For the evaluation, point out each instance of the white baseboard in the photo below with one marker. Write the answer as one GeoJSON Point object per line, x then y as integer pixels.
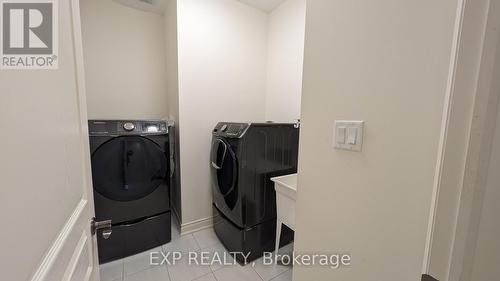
{"type": "Point", "coordinates": [197, 225]}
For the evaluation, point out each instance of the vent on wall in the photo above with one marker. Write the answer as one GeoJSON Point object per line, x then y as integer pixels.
{"type": "Point", "coordinates": [153, 6]}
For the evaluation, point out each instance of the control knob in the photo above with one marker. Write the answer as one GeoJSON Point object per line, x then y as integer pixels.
{"type": "Point", "coordinates": [129, 126]}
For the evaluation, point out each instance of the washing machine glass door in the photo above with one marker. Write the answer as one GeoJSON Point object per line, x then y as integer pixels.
{"type": "Point", "coordinates": [224, 170]}
{"type": "Point", "coordinates": [128, 168]}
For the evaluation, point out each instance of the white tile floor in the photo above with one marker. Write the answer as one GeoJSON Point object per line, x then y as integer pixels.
{"type": "Point", "coordinates": [138, 267]}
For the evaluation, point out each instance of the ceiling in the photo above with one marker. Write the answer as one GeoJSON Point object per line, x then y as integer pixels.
{"type": "Point", "coordinates": [264, 5]}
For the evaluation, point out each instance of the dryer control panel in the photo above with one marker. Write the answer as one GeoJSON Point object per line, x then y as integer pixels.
{"type": "Point", "coordinates": [230, 130]}
{"type": "Point", "coordinates": [127, 127]}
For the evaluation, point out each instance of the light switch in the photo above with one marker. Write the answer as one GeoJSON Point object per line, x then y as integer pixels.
{"type": "Point", "coordinates": [348, 135]}
{"type": "Point", "coordinates": [352, 135]}
{"type": "Point", "coordinates": [340, 138]}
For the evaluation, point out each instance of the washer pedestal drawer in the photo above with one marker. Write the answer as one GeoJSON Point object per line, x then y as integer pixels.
{"type": "Point", "coordinates": [133, 238]}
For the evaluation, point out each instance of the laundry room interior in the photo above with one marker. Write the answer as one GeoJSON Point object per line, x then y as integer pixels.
{"type": "Point", "coordinates": [195, 64]}
{"type": "Point", "coordinates": [249, 140]}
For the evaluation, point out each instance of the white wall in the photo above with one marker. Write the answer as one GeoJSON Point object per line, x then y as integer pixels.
{"type": "Point", "coordinates": [285, 55]}
{"type": "Point", "coordinates": [386, 63]}
{"type": "Point", "coordinates": [222, 50]}
{"type": "Point", "coordinates": [124, 51]}
{"type": "Point", "coordinates": [172, 80]}
{"type": "Point", "coordinates": [487, 253]}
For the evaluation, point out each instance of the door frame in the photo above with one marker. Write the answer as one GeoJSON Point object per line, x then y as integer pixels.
{"type": "Point", "coordinates": [469, 114]}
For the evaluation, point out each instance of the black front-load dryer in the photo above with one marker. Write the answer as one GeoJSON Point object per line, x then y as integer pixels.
{"type": "Point", "coordinates": [131, 180]}
{"type": "Point", "coordinates": [244, 158]}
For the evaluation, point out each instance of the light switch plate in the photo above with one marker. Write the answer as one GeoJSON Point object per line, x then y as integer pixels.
{"type": "Point", "coordinates": [340, 138]}
{"type": "Point", "coordinates": [351, 137]}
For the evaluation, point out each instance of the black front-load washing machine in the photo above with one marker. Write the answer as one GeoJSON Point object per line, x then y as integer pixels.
{"type": "Point", "coordinates": [244, 157]}
{"type": "Point", "coordinates": [131, 179]}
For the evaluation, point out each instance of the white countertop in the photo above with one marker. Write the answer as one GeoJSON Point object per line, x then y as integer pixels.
{"type": "Point", "coordinates": [286, 185]}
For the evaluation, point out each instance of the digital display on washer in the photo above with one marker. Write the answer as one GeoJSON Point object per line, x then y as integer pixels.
{"type": "Point", "coordinates": [151, 127]}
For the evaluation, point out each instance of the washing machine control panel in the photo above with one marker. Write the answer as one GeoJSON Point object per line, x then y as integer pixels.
{"type": "Point", "coordinates": [230, 130]}
{"type": "Point", "coordinates": [127, 127]}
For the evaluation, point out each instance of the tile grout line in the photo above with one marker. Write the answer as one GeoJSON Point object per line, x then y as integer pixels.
{"type": "Point", "coordinates": [197, 278]}
{"type": "Point", "coordinates": [282, 273]}
{"type": "Point", "coordinates": [212, 271]}
{"type": "Point", "coordinates": [168, 273]}
{"type": "Point", "coordinates": [211, 268]}
{"type": "Point", "coordinates": [252, 265]}
{"type": "Point", "coordinates": [164, 252]}
{"type": "Point", "coordinates": [215, 277]}
{"type": "Point", "coordinates": [208, 246]}
{"type": "Point", "coordinates": [196, 241]}
{"type": "Point", "coordinates": [123, 269]}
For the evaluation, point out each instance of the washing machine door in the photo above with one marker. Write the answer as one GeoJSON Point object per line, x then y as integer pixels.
{"type": "Point", "coordinates": [128, 168]}
{"type": "Point", "coordinates": [224, 168]}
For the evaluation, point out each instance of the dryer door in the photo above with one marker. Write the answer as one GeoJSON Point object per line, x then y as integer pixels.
{"type": "Point", "coordinates": [128, 168]}
{"type": "Point", "coordinates": [224, 179]}
{"type": "Point", "coordinates": [224, 165]}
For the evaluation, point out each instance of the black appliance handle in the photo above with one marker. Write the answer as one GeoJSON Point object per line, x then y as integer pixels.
{"type": "Point", "coordinates": [171, 152]}
{"type": "Point", "coordinates": [125, 162]}
{"type": "Point", "coordinates": [218, 167]}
